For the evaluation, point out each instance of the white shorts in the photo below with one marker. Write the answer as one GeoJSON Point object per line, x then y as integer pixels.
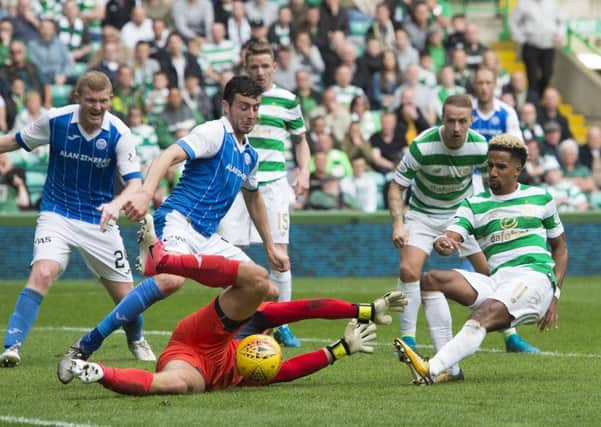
{"type": "Point", "coordinates": [424, 229]}
{"type": "Point", "coordinates": [179, 237]}
{"type": "Point", "coordinates": [103, 253]}
{"type": "Point", "coordinates": [526, 293]}
{"type": "Point", "coordinates": [237, 227]}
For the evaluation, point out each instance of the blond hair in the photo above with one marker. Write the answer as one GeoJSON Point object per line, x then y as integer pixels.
{"type": "Point", "coordinates": [511, 144]}
{"type": "Point", "coordinates": [95, 80]}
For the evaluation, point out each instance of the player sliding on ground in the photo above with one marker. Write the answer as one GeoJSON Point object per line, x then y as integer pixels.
{"type": "Point", "coordinates": [200, 355]}
{"type": "Point", "coordinates": [513, 224]}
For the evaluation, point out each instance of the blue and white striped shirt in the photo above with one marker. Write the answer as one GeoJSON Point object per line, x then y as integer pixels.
{"type": "Point", "coordinates": [81, 168]}
{"type": "Point", "coordinates": [217, 167]}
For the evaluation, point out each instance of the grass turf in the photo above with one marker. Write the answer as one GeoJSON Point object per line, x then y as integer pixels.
{"type": "Point", "coordinates": [559, 387]}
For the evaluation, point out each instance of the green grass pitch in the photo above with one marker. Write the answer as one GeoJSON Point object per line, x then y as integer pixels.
{"type": "Point", "coordinates": [560, 387]}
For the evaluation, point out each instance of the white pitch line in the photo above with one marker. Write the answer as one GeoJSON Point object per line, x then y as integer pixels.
{"type": "Point", "coordinates": [38, 422]}
{"type": "Point", "coordinates": [326, 341]}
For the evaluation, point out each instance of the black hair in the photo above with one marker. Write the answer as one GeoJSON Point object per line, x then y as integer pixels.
{"type": "Point", "coordinates": [243, 85]}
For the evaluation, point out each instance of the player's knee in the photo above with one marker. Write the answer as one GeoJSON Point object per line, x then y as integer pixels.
{"type": "Point", "coordinates": [169, 283]}
{"type": "Point", "coordinates": [409, 273]}
{"type": "Point", "coordinates": [42, 277]}
{"type": "Point", "coordinates": [432, 281]}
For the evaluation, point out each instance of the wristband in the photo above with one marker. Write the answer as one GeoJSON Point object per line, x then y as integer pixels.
{"type": "Point", "coordinates": [339, 349]}
{"type": "Point", "coordinates": [557, 292]}
{"type": "Point", "coordinates": [365, 313]}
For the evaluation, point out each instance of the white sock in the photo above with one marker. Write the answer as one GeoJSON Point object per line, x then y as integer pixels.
{"type": "Point", "coordinates": [283, 280]}
{"type": "Point", "coordinates": [509, 332]}
{"type": "Point", "coordinates": [438, 315]}
{"type": "Point", "coordinates": [409, 316]}
{"type": "Point", "coordinates": [465, 343]}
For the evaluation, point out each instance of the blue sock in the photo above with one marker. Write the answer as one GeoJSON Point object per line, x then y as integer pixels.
{"type": "Point", "coordinates": [135, 302]}
{"type": "Point", "coordinates": [133, 330]}
{"type": "Point", "coordinates": [23, 318]}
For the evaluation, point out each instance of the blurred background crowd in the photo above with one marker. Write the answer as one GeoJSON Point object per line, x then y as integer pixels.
{"type": "Point", "coordinates": [369, 77]}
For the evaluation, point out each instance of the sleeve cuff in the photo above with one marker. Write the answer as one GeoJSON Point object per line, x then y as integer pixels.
{"type": "Point", "coordinates": [132, 175]}
{"type": "Point", "coordinates": [21, 142]}
{"type": "Point", "coordinates": [186, 148]}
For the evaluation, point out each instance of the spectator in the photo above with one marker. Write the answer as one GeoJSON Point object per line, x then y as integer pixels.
{"type": "Point", "coordinates": [385, 81]}
{"type": "Point", "coordinates": [310, 24]}
{"type": "Point", "coordinates": [280, 31]}
{"type": "Point", "coordinates": [405, 52]}
{"type": "Point", "coordinates": [550, 144]}
{"type": "Point", "coordinates": [144, 67]}
{"type": "Point", "coordinates": [337, 118]}
{"type": "Point", "coordinates": [196, 97]}
{"type": "Point", "coordinates": [139, 27]}
{"type": "Point", "coordinates": [456, 38]}
{"type": "Point", "coordinates": [490, 60]}
{"type": "Point", "coordinates": [338, 164]}
{"type": "Point", "coordinates": [285, 72]}
{"type": "Point", "coordinates": [382, 28]}
{"type": "Point", "coordinates": [192, 18]}
{"type": "Point", "coordinates": [387, 145]}
{"type": "Point", "coordinates": [572, 169]}
{"type": "Point", "coordinates": [440, 13]}
{"type": "Point", "coordinates": [262, 10]}
{"type": "Point", "coordinates": [474, 48]}
{"type": "Point", "coordinates": [360, 191]}
{"type": "Point", "coordinates": [418, 26]}
{"type": "Point", "coordinates": [324, 189]}
{"type": "Point", "coordinates": [14, 195]}
{"type": "Point", "coordinates": [354, 145]}
{"type": "Point", "coordinates": [399, 11]}
{"type": "Point", "coordinates": [218, 55]}
{"type": "Point", "coordinates": [317, 126]}
{"type": "Point", "coordinates": [345, 91]}
{"type": "Point", "coordinates": [156, 100]}
{"type": "Point", "coordinates": [531, 129]}
{"type": "Point", "coordinates": [518, 86]}
{"type": "Point", "coordinates": [426, 70]}
{"type": "Point", "coordinates": [367, 118]}
{"type": "Point", "coordinates": [160, 33]}
{"type": "Point", "coordinates": [25, 22]}
{"type": "Point", "coordinates": [534, 169]}
{"type": "Point", "coordinates": [333, 17]}
{"type": "Point", "coordinates": [216, 99]}
{"type": "Point", "coordinates": [258, 31]}
{"type": "Point", "coordinates": [32, 111]}
{"type": "Point", "coordinates": [158, 9]}
{"type": "Point", "coordinates": [537, 26]}
{"type": "Point", "coordinates": [93, 13]}
{"type": "Point", "coordinates": [299, 10]}
{"type": "Point", "coordinates": [306, 55]}
{"type": "Point", "coordinates": [436, 49]}
{"type": "Point", "coordinates": [363, 68]}
{"type": "Point", "coordinates": [308, 97]}
{"type": "Point", "coordinates": [176, 62]}
{"type": "Point", "coordinates": [21, 68]}
{"type": "Point", "coordinates": [50, 55]}
{"type": "Point", "coordinates": [16, 99]}
{"type": "Point", "coordinates": [118, 12]}
{"type": "Point", "coordinates": [410, 120]}
{"type": "Point", "coordinates": [176, 117]}
{"type": "Point", "coordinates": [144, 137]}
{"type": "Point", "coordinates": [445, 88]}
{"type": "Point", "coordinates": [120, 53]}
{"type": "Point", "coordinates": [590, 152]}
{"type": "Point", "coordinates": [109, 60]}
{"type": "Point", "coordinates": [422, 95]}
{"type": "Point", "coordinates": [6, 37]}
{"type": "Point", "coordinates": [463, 75]}
{"type": "Point", "coordinates": [73, 32]}
{"type": "Point", "coordinates": [125, 94]}
{"type": "Point", "coordinates": [566, 195]}
{"type": "Point", "coordinates": [549, 111]}
{"type": "Point", "coordinates": [238, 25]}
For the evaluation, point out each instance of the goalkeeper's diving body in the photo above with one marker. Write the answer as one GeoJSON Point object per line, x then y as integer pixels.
{"type": "Point", "coordinates": [200, 355]}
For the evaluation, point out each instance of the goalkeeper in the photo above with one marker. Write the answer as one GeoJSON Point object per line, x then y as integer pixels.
{"type": "Point", "coordinates": [200, 355]}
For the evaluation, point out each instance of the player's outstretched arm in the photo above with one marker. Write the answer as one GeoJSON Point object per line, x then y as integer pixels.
{"type": "Point", "coordinates": [8, 143]}
{"type": "Point", "coordinates": [390, 301]}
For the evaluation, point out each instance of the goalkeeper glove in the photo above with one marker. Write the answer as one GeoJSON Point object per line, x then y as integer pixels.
{"type": "Point", "coordinates": [356, 338]}
{"type": "Point", "coordinates": [376, 311]}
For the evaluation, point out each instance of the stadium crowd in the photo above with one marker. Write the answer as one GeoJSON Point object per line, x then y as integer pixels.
{"type": "Point", "coordinates": [369, 77]}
